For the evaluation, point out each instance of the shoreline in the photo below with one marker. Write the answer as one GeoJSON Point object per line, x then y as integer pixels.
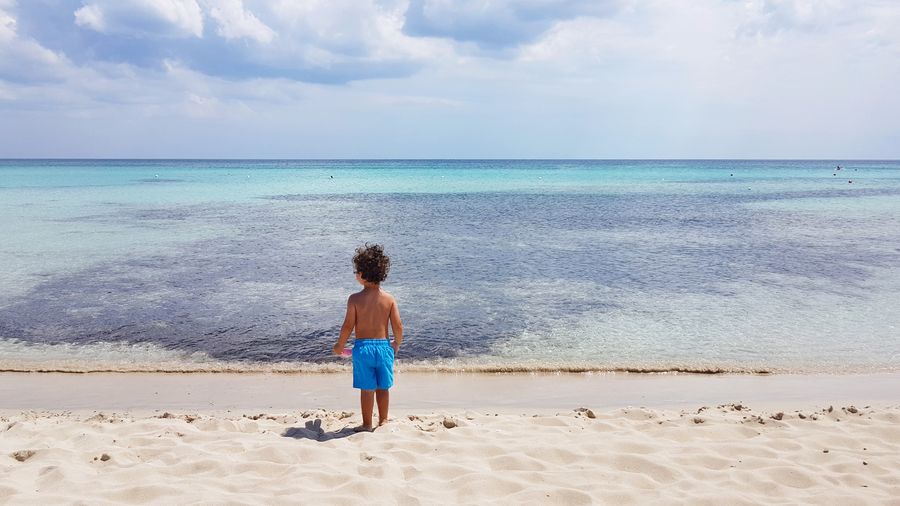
{"type": "Point", "coordinates": [463, 369]}
{"type": "Point", "coordinates": [435, 390]}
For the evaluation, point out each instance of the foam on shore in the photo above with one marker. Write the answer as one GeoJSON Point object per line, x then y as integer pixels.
{"type": "Point", "coordinates": [123, 357]}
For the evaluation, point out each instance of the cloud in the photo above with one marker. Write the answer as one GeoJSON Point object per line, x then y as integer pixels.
{"type": "Point", "coordinates": [142, 18]}
{"type": "Point", "coordinates": [23, 60]}
{"type": "Point", "coordinates": [91, 16]}
{"type": "Point", "coordinates": [235, 22]}
{"type": "Point", "coordinates": [495, 78]}
{"type": "Point", "coordinates": [761, 18]}
{"type": "Point", "coordinates": [496, 24]}
{"type": "Point", "coordinates": [334, 42]}
{"type": "Point", "coordinates": [7, 26]}
{"type": "Point", "coordinates": [415, 100]}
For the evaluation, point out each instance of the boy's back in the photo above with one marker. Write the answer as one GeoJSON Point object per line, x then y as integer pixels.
{"type": "Point", "coordinates": [372, 310]}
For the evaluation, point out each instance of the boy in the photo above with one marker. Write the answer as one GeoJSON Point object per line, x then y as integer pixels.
{"type": "Point", "coordinates": [369, 312]}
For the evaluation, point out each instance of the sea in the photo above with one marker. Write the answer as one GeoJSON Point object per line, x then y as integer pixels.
{"type": "Point", "coordinates": [591, 266]}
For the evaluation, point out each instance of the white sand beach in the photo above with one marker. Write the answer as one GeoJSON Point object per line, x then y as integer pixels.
{"type": "Point", "coordinates": [163, 439]}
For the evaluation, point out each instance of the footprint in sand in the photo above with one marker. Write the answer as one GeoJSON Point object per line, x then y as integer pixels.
{"type": "Point", "coordinates": [22, 455]}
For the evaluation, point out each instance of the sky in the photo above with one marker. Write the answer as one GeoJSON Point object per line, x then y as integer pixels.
{"type": "Point", "coordinates": [450, 79]}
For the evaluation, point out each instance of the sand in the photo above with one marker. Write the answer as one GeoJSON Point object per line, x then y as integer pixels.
{"type": "Point", "coordinates": [782, 451]}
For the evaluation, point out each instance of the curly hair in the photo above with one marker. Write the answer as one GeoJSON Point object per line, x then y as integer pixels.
{"type": "Point", "coordinates": [371, 263]}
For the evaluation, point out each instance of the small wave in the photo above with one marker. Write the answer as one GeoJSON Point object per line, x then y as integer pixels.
{"type": "Point", "coordinates": [314, 368]}
{"type": "Point", "coordinates": [107, 357]}
{"type": "Point", "coordinates": [122, 357]}
{"type": "Point", "coordinates": [572, 369]}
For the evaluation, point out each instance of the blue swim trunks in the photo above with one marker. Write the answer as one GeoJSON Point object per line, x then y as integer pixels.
{"type": "Point", "coordinates": [373, 364]}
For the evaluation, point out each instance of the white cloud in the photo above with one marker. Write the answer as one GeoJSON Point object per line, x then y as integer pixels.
{"type": "Point", "coordinates": [761, 17]}
{"type": "Point", "coordinates": [497, 24]}
{"type": "Point", "coordinates": [370, 29]}
{"type": "Point", "coordinates": [171, 18]}
{"type": "Point", "coordinates": [235, 22]}
{"type": "Point", "coordinates": [651, 78]}
{"type": "Point", "coordinates": [415, 101]}
{"type": "Point", "coordinates": [211, 107]}
{"type": "Point", "coordinates": [24, 59]}
{"type": "Point", "coordinates": [337, 26]}
{"type": "Point", "coordinates": [6, 93]}
{"type": "Point", "coordinates": [7, 25]}
{"type": "Point", "coordinates": [338, 41]}
{"type": "Point", "coordinates": [334, 41]}
{"type": "Point", "coordinates": [91, 16]}
{"type": "Point", "coordinates": [712, 40]}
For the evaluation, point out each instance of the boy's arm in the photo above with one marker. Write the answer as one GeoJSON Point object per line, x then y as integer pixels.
{"type": "Point", "coordinates": [396, 326]}
{"type": "Point", "coordinates": [346, 328]}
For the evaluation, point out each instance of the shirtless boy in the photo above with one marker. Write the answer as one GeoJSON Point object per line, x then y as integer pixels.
{"type": "Point", "coordinates": [369, 312]}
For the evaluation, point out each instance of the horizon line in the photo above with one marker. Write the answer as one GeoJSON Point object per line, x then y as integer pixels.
{"type": "Point", "coordinates": [457, 159]}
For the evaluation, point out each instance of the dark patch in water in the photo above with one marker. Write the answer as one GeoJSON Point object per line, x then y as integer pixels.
{"type": "Point", "coordinates": [469, 269]}
{"type": "Point", "coordinates": [818, 194]}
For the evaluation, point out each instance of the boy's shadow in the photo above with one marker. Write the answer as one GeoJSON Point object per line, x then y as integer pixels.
{"type": "Point", "coordinates": [314, 431]}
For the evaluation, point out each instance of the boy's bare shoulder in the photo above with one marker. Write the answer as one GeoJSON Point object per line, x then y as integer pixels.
{"type": "Point", "coordinates": [388, 296]}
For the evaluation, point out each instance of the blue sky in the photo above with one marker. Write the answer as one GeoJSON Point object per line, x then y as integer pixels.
{"type": "Point", "coordinates": [450, 79]}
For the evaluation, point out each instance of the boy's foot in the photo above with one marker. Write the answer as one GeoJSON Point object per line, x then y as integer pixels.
{"type": "Point", "coordinates": [382, 422]}
{"type": "Point", "coordinates": [363, 428]}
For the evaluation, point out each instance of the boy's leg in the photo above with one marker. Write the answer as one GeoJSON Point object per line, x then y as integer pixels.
{"type": "Point", "coordinates": [384, 399]}
{"type": "Point", "coordinates": [367, 404]}
{"type": "Point", "coordinates": [384, 377]}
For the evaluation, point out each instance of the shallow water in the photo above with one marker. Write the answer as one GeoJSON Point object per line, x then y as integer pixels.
{"type": "Point", "coordinates": [497, 265]}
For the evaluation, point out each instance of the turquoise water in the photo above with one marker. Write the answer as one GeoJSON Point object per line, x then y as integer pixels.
{"type": "Point", "coordinates": [498, 265]}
